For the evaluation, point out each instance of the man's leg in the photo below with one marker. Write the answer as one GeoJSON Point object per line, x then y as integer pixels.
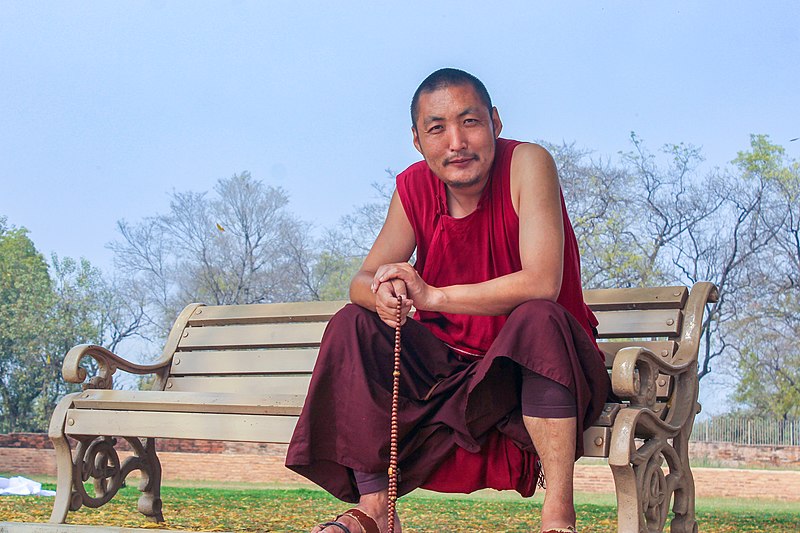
{"type": "Point", "coordinates": [549, 414]}
{"type": "Point", "coordinates": [554, 439]}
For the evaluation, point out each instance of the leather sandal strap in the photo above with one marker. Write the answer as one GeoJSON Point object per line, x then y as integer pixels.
{"type": "Point", "coordinates": [341, 526]}
{"type": "Point", "coordinates": [367, 523]}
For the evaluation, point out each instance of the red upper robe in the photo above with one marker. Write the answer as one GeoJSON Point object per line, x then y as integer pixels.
{"type": "Point", "coordinates": [478, 247]}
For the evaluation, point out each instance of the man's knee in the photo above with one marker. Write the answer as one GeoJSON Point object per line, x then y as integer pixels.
{"type": "Point", "coordinates": [536, 310]}
{"type": "Point", "coordinates": [349, 316]}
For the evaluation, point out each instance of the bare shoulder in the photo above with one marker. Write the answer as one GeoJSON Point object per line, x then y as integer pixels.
{"type": "Point", "coordinates": [533, 174]}
{"type": "Point", "coordinates": [532, 159]}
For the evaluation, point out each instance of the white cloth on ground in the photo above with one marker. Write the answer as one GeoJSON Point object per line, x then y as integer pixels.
{"type": "Point", "coordinates": [20, 486]}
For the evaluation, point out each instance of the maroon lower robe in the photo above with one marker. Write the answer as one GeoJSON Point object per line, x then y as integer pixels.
{"type": "Point", "coordinates": [460, 424]}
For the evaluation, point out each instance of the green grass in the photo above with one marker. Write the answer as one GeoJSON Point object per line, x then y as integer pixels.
{"type": "Point", "coordinates": [232, 507]}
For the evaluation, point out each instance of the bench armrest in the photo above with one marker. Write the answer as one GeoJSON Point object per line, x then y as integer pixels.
{"type": "Point", "coordinates": [107, 363]}
{"type": "Point", "coordinates": [635, 372]}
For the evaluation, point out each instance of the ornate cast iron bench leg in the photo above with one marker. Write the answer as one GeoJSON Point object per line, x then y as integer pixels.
{"type": "Point", "coordinates": [150, 485]}
{"type": "Point", "coordinates": [96, 458]}
{"type": "Point", "coordinates": [685, 520]}
{"type": "Point", "coordinates": [644, 492]}
{"type": "Point", "coordinates": [64, 493]}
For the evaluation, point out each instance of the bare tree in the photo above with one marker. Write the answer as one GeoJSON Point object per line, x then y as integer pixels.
{"type": "Point", "coordinates": [239, 245]}
{"type": "Point", "coordinates": [344, 247]}
{"type": "Point", "coordinates": [596, 195]}
{"type": "Point", "coordinates": [653, 221]}
{"type": "Point", "coordinates": [764, 328]}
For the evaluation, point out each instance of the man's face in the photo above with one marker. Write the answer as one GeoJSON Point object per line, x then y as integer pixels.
{"type": "Point", "coordinates": [456, 135]}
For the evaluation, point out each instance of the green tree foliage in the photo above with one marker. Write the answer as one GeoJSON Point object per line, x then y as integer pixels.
{"type": "Point", "coordinates": [25, 297]}
{"type": "Point", "coordinates": [86, 309]}
{"type": "Point", "coordinates": [768, 368]}
{"type": "Point", "coordinates": [43, 313]}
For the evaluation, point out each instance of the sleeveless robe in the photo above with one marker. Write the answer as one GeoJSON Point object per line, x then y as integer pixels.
{"type": "Point", "coordinates": [478, 247]}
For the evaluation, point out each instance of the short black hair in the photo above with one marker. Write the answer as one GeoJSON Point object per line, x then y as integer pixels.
{"type": "Point", "coordinates": [446, 77]}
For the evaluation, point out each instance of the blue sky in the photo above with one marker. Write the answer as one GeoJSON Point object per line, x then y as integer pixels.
{"type": "Point", "coordinates": [106, 107]}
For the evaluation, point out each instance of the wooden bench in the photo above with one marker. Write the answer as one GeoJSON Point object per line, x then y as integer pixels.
{"type": "Point", "coordinates": [240, 373]}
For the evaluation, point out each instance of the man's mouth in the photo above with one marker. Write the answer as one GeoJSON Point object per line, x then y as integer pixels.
{"type": "Point", "coordinates": [459, 161]}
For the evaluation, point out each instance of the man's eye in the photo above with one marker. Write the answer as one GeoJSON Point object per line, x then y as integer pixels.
{"type": "Point", "coordinates": [435, 129]}
{"type": "Point", "coordinates": [471, 121]}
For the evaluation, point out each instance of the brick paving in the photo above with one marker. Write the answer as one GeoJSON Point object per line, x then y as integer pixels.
{"type": "Point", "coordinates": [709, 482]}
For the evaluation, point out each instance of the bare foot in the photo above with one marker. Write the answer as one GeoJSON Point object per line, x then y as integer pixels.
{"type": "Point", "coordinates": [557, 513]}
{"type": "Point", "coordinates": [374, 505]}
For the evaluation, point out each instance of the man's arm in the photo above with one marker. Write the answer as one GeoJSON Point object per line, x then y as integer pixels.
{"type": "Point", "coordinates": [537, 199]}
{"type": "Point", "coordinates": [395, 243]}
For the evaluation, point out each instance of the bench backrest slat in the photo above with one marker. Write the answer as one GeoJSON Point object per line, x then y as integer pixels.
{"type": "Point", "coordinates": [650, 323]}
{"type": "Point", "coordinates": [265, 361]}
{"type": "Point", "coordinates": [245, 384]}
{"type": "Point", "coordinates": [252, 336]}
{"type": "Point", "coordinates": [265, 313]}
{"type": "Point", "coordinates": [637, 298]}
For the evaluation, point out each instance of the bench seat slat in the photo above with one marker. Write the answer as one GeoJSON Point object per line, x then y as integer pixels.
{"type": "Point", "coordinates": [623, 324]}
{"type": "Point", "coordinates": [211, 426]}
{"type": "Point", "coordinates": [277, 384]}
{"type": "Point", "coordinates": [253, 336]}
{"type": "Point", "coordinates": [637, 298]}
{"type": "Point", "coordinates": [265, 313]}
{"type": "Point", "coordinates": [244, 361]}
{"type": "Point", "coordinates": [205, 402]}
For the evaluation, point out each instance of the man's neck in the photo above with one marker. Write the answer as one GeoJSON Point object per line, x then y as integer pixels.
{"type": "Point", "coordinates": [463, 201]}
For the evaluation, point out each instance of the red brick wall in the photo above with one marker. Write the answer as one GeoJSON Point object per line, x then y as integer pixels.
{"type": "Point", "coordinates": [738, 455]}
{"type": "Point", "coordinates": [32, 454]}
{"type": "Point", "coordinates": [723, 453]}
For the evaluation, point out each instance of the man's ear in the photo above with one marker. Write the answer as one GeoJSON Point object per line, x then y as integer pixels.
{"type": "Point", "coordinates": [415, 136]}
{"type": "Point", "coordinates": [496, 122]}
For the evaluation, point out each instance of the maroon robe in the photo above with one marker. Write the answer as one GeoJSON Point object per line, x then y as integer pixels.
{"type": "Point", "coordinates": [460, 422]}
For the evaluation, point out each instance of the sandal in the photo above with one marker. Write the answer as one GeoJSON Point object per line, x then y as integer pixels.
{"type": "Point", "coordinates": [366, 522]}
{"type": "Point", "coordinates": [569, 529]}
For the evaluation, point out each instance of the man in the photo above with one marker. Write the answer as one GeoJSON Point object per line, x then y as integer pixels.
{"type": "Point", "coordinates": [500, 373]}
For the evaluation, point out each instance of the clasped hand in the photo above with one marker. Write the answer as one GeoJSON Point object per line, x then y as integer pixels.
{"type": "Point", "coordinates": [399, 279]}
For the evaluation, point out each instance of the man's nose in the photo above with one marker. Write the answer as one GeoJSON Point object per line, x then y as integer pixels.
{"type": "Point", "coordinates": [458, 141]}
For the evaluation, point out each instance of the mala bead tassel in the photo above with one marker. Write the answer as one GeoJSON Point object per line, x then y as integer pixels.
{"type": "Point", "coordinates": [394, 421]}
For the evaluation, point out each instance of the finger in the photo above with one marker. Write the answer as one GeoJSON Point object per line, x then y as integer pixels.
{"type": "Point", "coordinates": [393, 272]}
{"type": "Point", "coordinates": [399, 288]}
{"type": "Point", "coordinates": [382, 274]}
{"type": "Point", "coordinates": [376, 278]}
{"type": "Point", "coordinates": [390, 319]}
{"type": "Point", "coordinates": [385, 302]}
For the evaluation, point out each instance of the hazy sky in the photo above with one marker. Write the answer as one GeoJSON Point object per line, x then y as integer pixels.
{"type": "Point", "coordinates": [106, 107]}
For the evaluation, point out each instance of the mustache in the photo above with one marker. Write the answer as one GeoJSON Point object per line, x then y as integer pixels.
{"type": "Point", "coordinates": [461, 156]}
